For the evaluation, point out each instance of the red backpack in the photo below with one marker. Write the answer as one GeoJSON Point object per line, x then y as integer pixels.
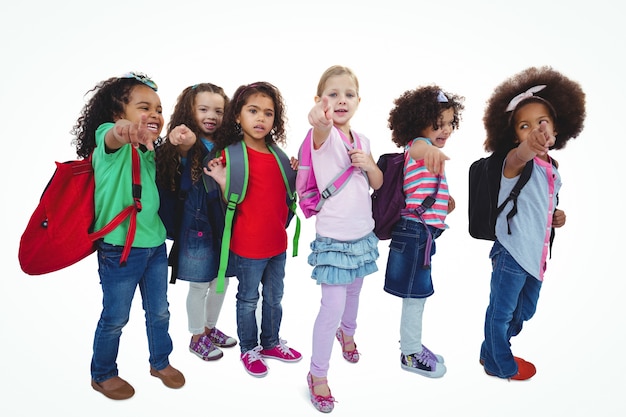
{"type": "Point", "coordinates": [59, 232]}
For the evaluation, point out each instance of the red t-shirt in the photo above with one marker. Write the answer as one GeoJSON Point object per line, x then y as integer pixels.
{"type": "Point", "coordinates": [260, 220]}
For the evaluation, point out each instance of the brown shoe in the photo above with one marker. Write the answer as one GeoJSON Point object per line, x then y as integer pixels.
{"type": "Point", "coordinates": [171, 377]}
{"type": "Point", "coordinates": [119, 389]}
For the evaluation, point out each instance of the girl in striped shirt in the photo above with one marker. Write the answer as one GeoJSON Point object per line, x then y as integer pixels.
{"type": "Point", "coordinates": [421, 122]}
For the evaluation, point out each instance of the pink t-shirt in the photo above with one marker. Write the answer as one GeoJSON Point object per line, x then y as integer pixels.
{"type": "Point", "coordinates": [348, 214]}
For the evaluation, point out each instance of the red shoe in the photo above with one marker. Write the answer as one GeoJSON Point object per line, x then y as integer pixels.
{"type": "Point", "coordinates": [525, 369]}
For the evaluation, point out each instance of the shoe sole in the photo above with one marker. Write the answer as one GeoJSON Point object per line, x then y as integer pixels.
{"type": "Point", "coordinates": [207, 358]}
{"type": "Point", "coordinates": [441, 371]}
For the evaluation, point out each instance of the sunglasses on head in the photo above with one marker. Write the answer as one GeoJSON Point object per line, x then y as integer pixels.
{"type": "Point", "coordinates": [143, 78]}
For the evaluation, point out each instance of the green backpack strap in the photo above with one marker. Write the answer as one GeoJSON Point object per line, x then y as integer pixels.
{"type": "Point", "coordinates": [237, 174]}
{"type": "Point", "coordinates": [236, 161]}
{"type": "Point", "coordinates": [289, 178]}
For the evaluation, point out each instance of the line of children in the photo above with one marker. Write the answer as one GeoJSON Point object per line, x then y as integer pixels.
{"type": "Point", "coordinates": [529, 114]}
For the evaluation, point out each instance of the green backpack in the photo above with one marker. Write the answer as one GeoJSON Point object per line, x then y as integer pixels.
{"type": "Point", "coordinates": [235, 192]}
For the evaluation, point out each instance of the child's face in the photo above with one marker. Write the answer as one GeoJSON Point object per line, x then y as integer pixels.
{"type": "Point", "coordinates": [529, 116]}
{"type": "Point", "coordinates": [145, 101]}
{"type": "Point", "coordinates": [256, 118]}
{"type": "Point", "coordinates": [208, 111]}
{"type": "Point", "coordinates": [343, 97]}
{"type": "Point", "coordinates": [440, 136]}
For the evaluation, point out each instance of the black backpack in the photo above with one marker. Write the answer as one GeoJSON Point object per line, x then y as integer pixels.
{"type": "Point", "coordinates": [484, 186]}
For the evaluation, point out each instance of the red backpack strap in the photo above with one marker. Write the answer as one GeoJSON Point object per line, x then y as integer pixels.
{"type": "Point", "coordinates": [130, 211]}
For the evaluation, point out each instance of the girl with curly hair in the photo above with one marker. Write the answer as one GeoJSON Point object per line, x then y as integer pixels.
{"type": "Point", "coordinates": [192, 210]}
{"type": "Point", "coordinates": [256, 117]}
{"type": "Point", "coordinates": [528, 115]}
{"type": "Point", "coordinates": [421, 122]}
{"type": "Point", "coordinates": [125, 113]}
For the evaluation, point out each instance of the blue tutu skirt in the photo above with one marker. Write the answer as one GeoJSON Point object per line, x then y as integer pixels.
{"type": "Point", "coordinates": [339, 262]}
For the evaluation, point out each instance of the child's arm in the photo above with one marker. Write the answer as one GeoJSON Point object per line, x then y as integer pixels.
{"type": "Point", "coordinates": [434, 158]}
{"type": "Point", "coordinates": [125, 132]}
{"type": "Point", "coordinates": [321, 118]}
{"type": "Point", "coordinates": [183, 138]}
{"type": "Point", "coordinates": [366, 162]}
{"type": "Point", "coordinates": [537, 142]}
{"type": "Point", "coordinates": [451, 204]}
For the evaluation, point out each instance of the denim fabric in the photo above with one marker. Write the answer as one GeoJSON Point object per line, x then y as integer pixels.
{"type": "Point", "coordinates": [338, 262]}
{"type": "Point", "coordinates": [270, 273]}
{"type": "Point", "coordinates": [146, 268]}
{"type": "Point", "coordinates": [406, 276]}
{"type": "Point", "coordinates": [513, 300]}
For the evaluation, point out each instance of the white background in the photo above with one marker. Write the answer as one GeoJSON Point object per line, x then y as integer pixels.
{"type": "Point", "coordinates": [54, 52]}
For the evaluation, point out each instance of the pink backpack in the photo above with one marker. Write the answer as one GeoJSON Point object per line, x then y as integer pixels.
{"type": "Point", "coordinates": [309, 196]}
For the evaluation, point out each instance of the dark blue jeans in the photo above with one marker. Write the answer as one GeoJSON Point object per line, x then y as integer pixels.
{"type": "Point", "coordinates": [270, 273]}
{"type": "Point", "coordinates": [146, 268]}
{"type": "Point", "coordinates": [513, 300]}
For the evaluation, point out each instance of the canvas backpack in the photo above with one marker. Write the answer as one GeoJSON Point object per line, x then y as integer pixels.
{"type": "Point", "coordinates": [59, 232]}
{"type": "Point", "coordinates": [237, 173]}
{"type": "Point", "coordinates": [484, 187]}
{"type": "Point", "coordinates": [311, 199]}
{"type": "Point", "coordinates": [389, 201]}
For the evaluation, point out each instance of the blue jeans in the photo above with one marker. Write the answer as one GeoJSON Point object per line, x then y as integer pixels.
{"type": "Point", "coordinates": [513, 300]}
{"type": "Point", "coordinates": [146, 268]}
{"type": "Point", "coordinates": [251, 272]}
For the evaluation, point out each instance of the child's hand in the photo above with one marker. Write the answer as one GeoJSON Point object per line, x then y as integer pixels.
{"type": "Point", "coordinates": [540, 140]}
{"type": "Point", "coordinates": [294, 163]}
{"type": "Point", "coordinates": [321, 115]}
{"type": "Point", "coordinates": [216, 169]}
{"type": "Point", "coordinates": [558, 218]}
{"type": "Point", "coordinates": [183, 136]}
{"type": "Point", "coordinates": [435, 160]}
{"type": "Point", "coordinates": [136, 134]}
{"type": "Point", "coordinates": [362, 160]}
{"type": "Point", "coordinates": [451, 205]}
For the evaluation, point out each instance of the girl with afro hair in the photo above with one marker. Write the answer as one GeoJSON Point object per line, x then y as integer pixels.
{"type": "Point", "coordinates": [529, 114]}
{"type": "Point", "coordinates": [421, 122]}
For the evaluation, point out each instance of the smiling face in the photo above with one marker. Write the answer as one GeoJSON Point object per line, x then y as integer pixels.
{"type": "Point", "coordinates": [256, 119]}
{"type": "Point", "coordinates": [145, 101]}
{"type": "Point", "coordinates": [343, 96]}
{"type": "Point", "coordinates": [208, 112]}
{"type": "Point", "coordinates": [440, 136]}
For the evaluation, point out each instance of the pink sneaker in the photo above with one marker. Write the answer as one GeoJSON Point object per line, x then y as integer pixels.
{"type": "Point", "coordinates": [282, 352]}
{"type": "Point", "coordinates": [254, 363]}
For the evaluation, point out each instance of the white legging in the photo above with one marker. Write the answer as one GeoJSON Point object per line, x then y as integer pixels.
{"type": "Point", "coordinates": [204, 305]}
{"type": "Point", "coordinates": [411, 325]}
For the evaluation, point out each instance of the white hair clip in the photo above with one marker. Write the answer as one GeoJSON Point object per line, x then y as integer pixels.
{"type": "Point", "coordinates": [523, 96]}
{"type": "Point", "coordinates": [441, 97]}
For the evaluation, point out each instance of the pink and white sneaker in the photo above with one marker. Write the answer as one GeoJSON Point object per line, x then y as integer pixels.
{"type": "Point", "coordinates": [254, 363]}
{"type": "Point", "coordinates": [282, 352]}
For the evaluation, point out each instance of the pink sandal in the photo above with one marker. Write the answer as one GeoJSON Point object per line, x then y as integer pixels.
{"type": "Point", "coordinates": [349, 355]}
{"type": "Point", "coordinates": [323, 404]}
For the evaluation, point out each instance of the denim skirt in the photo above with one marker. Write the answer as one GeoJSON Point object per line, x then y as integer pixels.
{"type": "Point", "coordinates": [406, 275]}
{"type": "Point", "coordinates": [339, 262]}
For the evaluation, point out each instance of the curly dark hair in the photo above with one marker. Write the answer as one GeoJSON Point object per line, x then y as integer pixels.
{"type": "Point", "coordinates": [168, 160]}
{"type": "Point", "coordinates": [416, 110]}
{"type": "Point", "coordinates": [230, 131]}
{"type": "Point", "coordinates": [105, 105]}
{"type": "Point", "coordinates": [565, 97]}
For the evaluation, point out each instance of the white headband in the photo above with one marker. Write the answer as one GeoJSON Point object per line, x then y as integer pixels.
{"type": "Point", "coordinates": [523, 96]}
{"type": "Point", "coordinates": [441, 97]}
